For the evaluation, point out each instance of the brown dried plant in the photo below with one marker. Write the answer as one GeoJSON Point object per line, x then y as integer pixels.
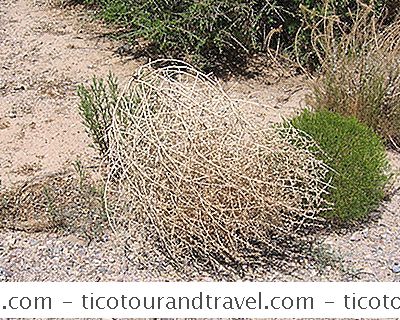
{"type": "Point", "coordinates": [360, 70]}
{"type": "Point", "coordinates": [197, 176]}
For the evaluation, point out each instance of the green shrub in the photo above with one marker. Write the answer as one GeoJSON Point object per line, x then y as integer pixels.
{"type": "Point", "coordinates": [211, 33]}
{"type": "Point", "coordinates": [96, 104]}
{"type": "Point", "coordinates": [358, 157]}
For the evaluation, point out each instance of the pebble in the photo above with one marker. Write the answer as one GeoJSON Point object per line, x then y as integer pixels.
{"type": "Point", "coordinates": [12, 114]}
{"type": "Point", "coordinates": [4, 273]}
{"type": "Point", "coordinates": [365, 233]}
{"type": "Point", "coordinates": [396, 268]}
{"type": "Point", "coordinates": [355, 237]}
{"type": "Point", "coordinates": [19, 87]}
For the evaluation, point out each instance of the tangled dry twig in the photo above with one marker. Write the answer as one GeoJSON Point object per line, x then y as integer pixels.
{"type": "Point", "coordinates": [211, 187]}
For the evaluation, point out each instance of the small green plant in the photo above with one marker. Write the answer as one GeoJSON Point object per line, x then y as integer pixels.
{"type": "Point", "coordinates": [80, 170]}
{"type": "Point", "coordinates": [96, 104]}
{"type": "Point", "coordinates": [50, 203]}
{"type": "Point", "coordinates": [357, 156]}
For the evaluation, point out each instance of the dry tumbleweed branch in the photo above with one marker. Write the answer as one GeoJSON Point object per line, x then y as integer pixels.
{"type": "Point", "coordinates": [208, 185]}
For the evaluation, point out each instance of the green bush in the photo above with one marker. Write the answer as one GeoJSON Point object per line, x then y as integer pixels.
{"type": "Point", "coordinates": [212, 33]}
{"type": "Point", "coordinates": [96, 104]}
{"type": "Point", "coordinates": [358, 158]}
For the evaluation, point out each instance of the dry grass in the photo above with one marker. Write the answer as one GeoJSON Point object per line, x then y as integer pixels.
{"type": "Point", "coordinates": [193, 174]}
{"type": "Point", "coordinates": [65, 202]}
{"type": "Point", "coordinates": [360, 73]}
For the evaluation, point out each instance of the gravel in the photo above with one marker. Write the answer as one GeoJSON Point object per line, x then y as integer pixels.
{"type": "Point", "coordinates": [370, 253]}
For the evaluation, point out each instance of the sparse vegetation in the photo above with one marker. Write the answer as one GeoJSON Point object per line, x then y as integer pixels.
{"type": "Point", "coordinates": [64, 202]}
{"type": "Point", "coordinates": [220, 33]}
{"type": "Point", "coordinates": [190, 173]}
{"type": "Point", "coordinates": [149, 156]}
{"type": "Point", "coordinates": [189, 189]}
{"type": "Point", "coordinates": [360, 72]}
{"type": "Point", "coordinates": [200, 186]}
{"type": "Point", "coordinates": [358, 159]}
{"type": "Point", "coordinates": [96, 105]}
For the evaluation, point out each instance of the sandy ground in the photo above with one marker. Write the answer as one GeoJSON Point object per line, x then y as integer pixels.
{"type": "Point", "coordinates": [44, 53]}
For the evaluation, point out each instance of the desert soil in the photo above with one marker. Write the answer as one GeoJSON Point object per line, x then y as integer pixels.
{"type": "Point", "coordinates": [45, 52]}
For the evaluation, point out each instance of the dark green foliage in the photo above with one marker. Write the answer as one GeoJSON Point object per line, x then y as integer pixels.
{"type": "Point", "coordinates": [358, 158]}
{"type": "Point", "coordinates": [212, 33]}
{"type": "Point", "coordinates": [96, 105]}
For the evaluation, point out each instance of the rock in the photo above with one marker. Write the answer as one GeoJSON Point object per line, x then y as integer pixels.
{"type": "Point", "coordinates": [12, 114]}
{"type": "Point", "coordinates": [355, 237]}
{"type": "Point", "coordinates": [19, 87]}
{"type": "Point", "coordinates": [4, 274]}
{"type": "Point", "coordinates": [396, 268]}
